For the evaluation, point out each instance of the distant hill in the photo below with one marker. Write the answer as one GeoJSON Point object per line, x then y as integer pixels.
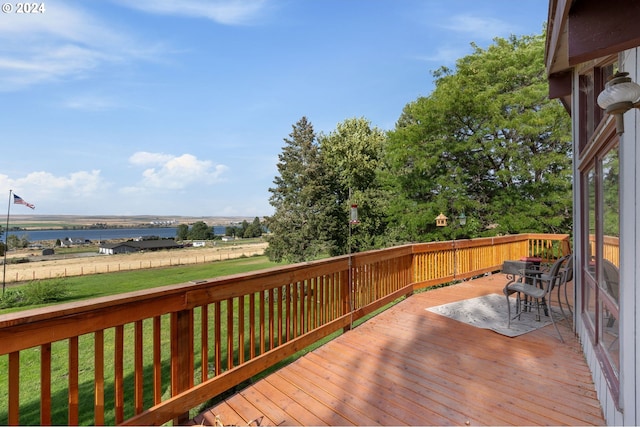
{"type": "Point", "coordinates": [59, 221]}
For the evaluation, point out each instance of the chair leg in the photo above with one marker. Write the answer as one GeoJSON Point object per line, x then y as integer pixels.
{"type": "Point", "coordinates": [508, 310]}
{"type": "Point", "coordinates": [507, 293]}
{"type": "Point", "coordinates": [559, 304]}
{"type": "Point", "coordinates": [553, 321]}
{"type": "Point", "coordinates": [566, 299]}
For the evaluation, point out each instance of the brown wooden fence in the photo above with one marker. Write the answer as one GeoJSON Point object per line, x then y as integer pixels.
{"type": "Point", "coordinates": [148, 357]}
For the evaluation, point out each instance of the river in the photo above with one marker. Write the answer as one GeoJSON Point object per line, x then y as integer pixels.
{"type": "Point", "coordinates": [104, 234]}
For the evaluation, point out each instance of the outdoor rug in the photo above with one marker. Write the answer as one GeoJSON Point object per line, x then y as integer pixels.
{"type": "Point", "coordinates": [490, 312]}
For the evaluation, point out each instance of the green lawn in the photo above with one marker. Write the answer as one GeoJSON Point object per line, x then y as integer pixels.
{"type": "Point", "coordinates": [108, 284]}
{"type": "Point", "coordinates": [84, 287]}
{"type": "Point", "coordinates": [99, 285]}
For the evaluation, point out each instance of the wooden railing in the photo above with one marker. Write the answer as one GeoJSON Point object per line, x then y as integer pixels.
{"type": "Point", "coordinates": [148, 357]}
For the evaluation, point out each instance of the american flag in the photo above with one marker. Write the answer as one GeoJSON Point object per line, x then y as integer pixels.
{"type": "Point", "coordinates": [19, 201]}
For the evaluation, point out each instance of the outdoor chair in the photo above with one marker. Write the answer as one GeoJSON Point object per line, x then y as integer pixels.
{"type": "Point", "coordinates": [612, 283]}
{"type": "Point", "coordinates": [567, 272]}
{"type": "Point", "coordinates": [536, 287]}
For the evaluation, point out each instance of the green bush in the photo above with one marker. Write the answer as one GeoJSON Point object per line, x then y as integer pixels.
{"type": "Point", "coordinates": [45, 291]}
{"type": "Point", "coordinates": [12, 298]}
{"type": "Point", "coordinates": [35, 293]}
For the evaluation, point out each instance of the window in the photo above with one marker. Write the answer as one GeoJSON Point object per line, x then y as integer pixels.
{"type": "Point", "coordinates": [591, 84]}
{"type": "Point", "coordinates": [600, 279]}
{"type": "Point", "coordinates": [599, 168]}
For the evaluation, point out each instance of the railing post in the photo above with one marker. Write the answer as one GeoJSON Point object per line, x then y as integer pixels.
{"type": "Point", "coordinates": [347, 294]}
{"type": "Point", "coordinates": [181, 356]}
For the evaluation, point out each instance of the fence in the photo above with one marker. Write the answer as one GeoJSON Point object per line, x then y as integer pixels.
{"type": "Point", "coordinates": [80, 266]}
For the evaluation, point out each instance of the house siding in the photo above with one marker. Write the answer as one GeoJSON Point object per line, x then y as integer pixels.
{"type": "Point", "coordinates": [626, 413]}
{"type": "Point", "coordinates": [630, 250]}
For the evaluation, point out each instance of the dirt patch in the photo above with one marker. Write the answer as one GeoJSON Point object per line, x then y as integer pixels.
{"type": "Point", "coordinates": [75, 265]}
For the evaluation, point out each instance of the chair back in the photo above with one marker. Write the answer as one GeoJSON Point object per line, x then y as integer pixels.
{"type": "Point", "coordinates": [612, 279]}
{"type": "Point", "coordinates": [569, 269]}
{"type": "Point", "coordinates": [557, 277]}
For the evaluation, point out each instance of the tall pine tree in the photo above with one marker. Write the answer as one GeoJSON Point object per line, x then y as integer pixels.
{"type": "Point", "coordinates": [299, 196]}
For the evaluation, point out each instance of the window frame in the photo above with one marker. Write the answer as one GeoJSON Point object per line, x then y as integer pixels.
{"type": "Point", "coordinates": [597, 137]}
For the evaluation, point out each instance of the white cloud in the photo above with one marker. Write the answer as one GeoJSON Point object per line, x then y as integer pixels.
{"type": "Point", "coordinates": [44, 187]}
{"type": "Point", "coordinates": [143, 158]}
{"type": "Point", "coordinates": [485, 28]}
{"type": "Point", "coordinates": [165, 171]}
{"type": "Point", "coordinates": [229, 12]}
{"type": "Point", "coordinates": [445, 55]}
{"type": "Point", "coordinates": [61, 43]}
{"type": "Point", "coordinates": [90, 103]}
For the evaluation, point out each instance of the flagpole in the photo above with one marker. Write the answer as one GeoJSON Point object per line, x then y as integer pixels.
{"type": "Point", "coordinates": [6, 248]}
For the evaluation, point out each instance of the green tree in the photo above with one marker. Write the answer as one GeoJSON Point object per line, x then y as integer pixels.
{"type": "Point", "coordinates": [254, 229]}
{"type": "Point", "coordinates": [299, 197]}
{"type": "Point", "coordinates": [182, 232]}
{"type": "Point", "coordinates": [15, 242]}
{"type": "Point", "coordinates": [351, 155]}
{"type": "Point", "coordinates": [200, 231]}
{"type": "Point", "coordinates": [488, 143]}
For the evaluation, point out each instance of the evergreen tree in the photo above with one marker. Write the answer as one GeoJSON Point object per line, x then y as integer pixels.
{"type": "Point", "coordinates": [298, 196]}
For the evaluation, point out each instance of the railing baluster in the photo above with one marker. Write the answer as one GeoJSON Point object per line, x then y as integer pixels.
{"type": "Point", "coordinates": [138, 369]}
{"type": "Point", "coordinates": [229, 334]}
{"type": "Point", "coordinates": [98, 381]}
{"type": "Point", "coordinates": [45, 384]}
{"type": "Point", "coordinates": [157, 359]}
{"type": "Point", "coordinates": [73, 381]}
{"type": "Point", "coordinates": [272, 325]}
{"type": "Point", "coordinates": [262, 322]}
{"type": "Point", "coordinates": [218, 337]}
{"type": "Point", "coordinates": [280, 302]}
{"type": "Point", "coordinates": [14, 388]}
{"type": "Point", "coordinates": [118, 380]}
{"type": "Point", "coordinates": [204, 341]}
{"type": "Point", "coordinates": [252, 325]}
{"type": "Point", "coordinates": [241, 329]}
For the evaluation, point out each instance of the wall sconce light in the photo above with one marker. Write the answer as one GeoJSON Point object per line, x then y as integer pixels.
{"type": "Point", "coordinates": [620, 94]}
{"type": "Point", "coordinates": [462, 218]}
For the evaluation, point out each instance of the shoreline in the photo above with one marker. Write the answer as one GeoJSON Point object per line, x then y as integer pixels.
{"type": "Point", "coordinates": [34, 222]}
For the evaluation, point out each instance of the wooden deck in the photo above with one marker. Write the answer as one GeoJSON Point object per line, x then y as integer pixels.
{"type": "Point", "coordinates": [408, 366]}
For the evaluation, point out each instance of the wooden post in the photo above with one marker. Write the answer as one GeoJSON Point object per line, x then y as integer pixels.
{"type": "Point", "coordinates": [181, 356]}
{"type": "Point", "coordinates": [346, 295]}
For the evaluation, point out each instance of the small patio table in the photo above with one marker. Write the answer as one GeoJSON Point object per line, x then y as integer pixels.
{"type": "Point", "coordinates": [515, 270]}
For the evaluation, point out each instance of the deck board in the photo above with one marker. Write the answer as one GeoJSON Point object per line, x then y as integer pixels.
{"type": "Point", "coordinates": [408, 366]}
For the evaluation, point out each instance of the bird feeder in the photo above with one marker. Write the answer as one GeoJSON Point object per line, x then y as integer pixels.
{"type": "Point", "coordinates": [354, 215]}
{"type": "Point", "coordinates": [441, 220]}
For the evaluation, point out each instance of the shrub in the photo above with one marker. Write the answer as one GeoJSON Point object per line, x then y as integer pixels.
{"type": "Point", "coordinates": [35, 293]}
{"type": "Point", "coordinates": [12, 298]}
{"type": "Point", "coordinates": [45, 291]}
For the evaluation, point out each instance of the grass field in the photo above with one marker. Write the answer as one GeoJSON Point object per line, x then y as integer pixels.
{"type": "Point", "coordinates": [95, 286]}
{"type": "Point", "coordinates": [109, 284]}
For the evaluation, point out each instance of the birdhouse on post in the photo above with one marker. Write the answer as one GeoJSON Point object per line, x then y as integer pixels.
{"type": "Point", "coordinates": [441, 220]}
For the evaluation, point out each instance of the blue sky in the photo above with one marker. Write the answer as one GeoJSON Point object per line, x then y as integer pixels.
{"type": "Point", "coordinates": [159, 107]}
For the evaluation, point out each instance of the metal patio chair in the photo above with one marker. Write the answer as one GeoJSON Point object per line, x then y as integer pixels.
{"type": "Point", "coordinates": [536, 287]}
